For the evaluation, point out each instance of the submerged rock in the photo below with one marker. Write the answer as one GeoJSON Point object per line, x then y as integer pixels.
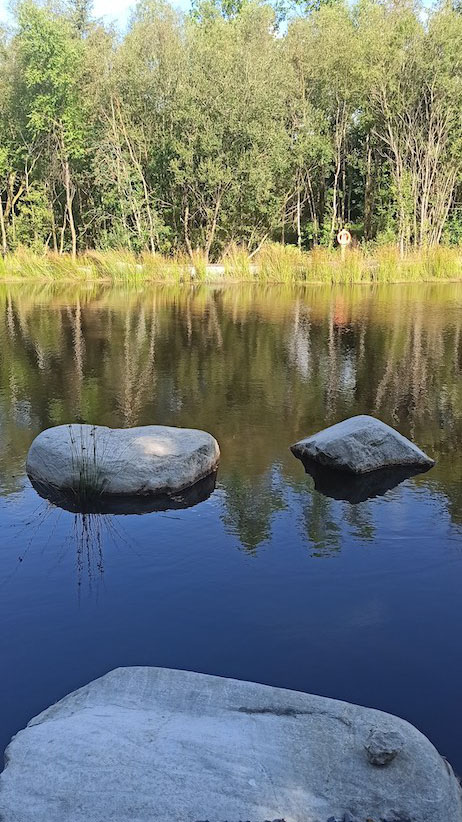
{"type": "Point", "coordinates": [146, 744]}
{"type": "Point", "coordinates": [360, 445]}
{"type": "Point", "coordinates": [91, 461]}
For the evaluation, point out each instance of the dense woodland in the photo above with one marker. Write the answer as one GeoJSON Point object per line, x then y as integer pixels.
{"type": "Point", "coordinates": [235, 123]}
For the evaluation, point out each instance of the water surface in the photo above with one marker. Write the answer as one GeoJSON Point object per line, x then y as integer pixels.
{"type": "Point", "coordinates": [268, 579]}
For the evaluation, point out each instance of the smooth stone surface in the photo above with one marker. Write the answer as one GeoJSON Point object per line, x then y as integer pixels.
{"type": "Point", "coordinates": [361, 444]}
{"type": "Point", "coordinates": [153, 459]}
{"type": "Point", "coordinates": [151, 744]}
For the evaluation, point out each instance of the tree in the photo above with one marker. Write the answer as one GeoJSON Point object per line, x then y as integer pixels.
{"type": "Point", "coordinates": [49, 69]}
{"type": "Point", "coordinates": [415, 101]}
{"type": "Point", "coordinates": [230, 142]}
{"type": "Point", "coordinates": [195, 133]}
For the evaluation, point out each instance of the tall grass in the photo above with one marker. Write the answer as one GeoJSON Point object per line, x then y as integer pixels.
{"type": "Point", "coordinates": [237, 264]}
{"type": "Point", "coordinates": [280, 263]}
{"type": "Point", "coordinates": [274, 263]}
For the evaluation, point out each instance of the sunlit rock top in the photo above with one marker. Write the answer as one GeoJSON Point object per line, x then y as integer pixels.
{"type": "Point", "coordinates": [92, 460]}
{"type": "Point", "coordinates": [361, 444]}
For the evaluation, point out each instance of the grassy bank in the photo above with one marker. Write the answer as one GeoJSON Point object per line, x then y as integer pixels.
{"type": "Point", "coordinates": [274, 263]}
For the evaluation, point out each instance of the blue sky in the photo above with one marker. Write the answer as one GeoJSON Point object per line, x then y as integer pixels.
{"type": "Point", "coordinates": [111, 10]}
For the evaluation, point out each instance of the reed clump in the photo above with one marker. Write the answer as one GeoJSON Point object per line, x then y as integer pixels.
{"type": "Point", "coordinates": [274, 263]}
{"type": "Point", "coordinates": [238, 265]}
{"type": "Point", "coordinates": [281, 263]}
{"type": "Point", "coordinates": [85, 456]}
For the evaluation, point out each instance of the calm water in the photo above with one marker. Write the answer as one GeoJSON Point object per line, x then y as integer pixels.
{"type": "Point", "coordinates": [268, 579]}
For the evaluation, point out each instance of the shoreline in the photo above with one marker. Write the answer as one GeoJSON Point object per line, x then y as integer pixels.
{"type": "Point", "coordinates": [275, 264]}
{"type": "Point", "coordinates": [225, 281]}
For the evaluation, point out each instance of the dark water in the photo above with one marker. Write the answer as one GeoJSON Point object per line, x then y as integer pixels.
{"type": "Point", "coordinates": [266, 580]}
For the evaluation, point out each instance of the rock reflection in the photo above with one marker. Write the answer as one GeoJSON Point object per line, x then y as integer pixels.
{"type": "Point", "coordinates": [105, 504]}
{"type": "Point", "coordinates": [355, 488]}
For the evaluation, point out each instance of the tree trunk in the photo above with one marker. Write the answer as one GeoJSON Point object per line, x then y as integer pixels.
{"type": "Point", "coordinates": [53, 230]}
{"type": "Point", "coordinates": [213, 227]}
{"type": "Point", "coordinates": [299, 227]}
{"type": "Point", "coordinates": [334, 203]}
{"type": "Point", "coordinates": [3, 229]}
{"type": "Point", "coordinates": [186, 233]}
{"type": "Point", "coordinates": [339, 141]}
{"type": "Point", "coordinates": [368, 193]}
{"type": "Point", "coordinates": [63, 230]}
{"type": "Point", "coordinates": [69, 201]}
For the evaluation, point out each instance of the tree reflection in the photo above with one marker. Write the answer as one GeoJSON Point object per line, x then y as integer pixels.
{"type": "Point", "coordinates": [249, 509]}
{"type": "Point", "coordinates": [320, 525]}
{"type": "Point", "coordinates": [258, 366]}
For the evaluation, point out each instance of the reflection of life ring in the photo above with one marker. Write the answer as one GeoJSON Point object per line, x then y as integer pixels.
{"type": "Point", "coordinates": [344, 237]}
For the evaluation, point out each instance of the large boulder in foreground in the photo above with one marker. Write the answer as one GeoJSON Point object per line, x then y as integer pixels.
{"type": "Point", "coordinates": [91, 460]}
{"type": "Point", "coordinates": [155, 745]}
{"type": "Point", "coordinates": [359, 445]}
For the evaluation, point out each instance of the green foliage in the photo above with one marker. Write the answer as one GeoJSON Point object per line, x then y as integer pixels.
{"type": "Point", "coordinates": [50, 57]}
{"type": "Point", "coordinates": [222, 129]}
{"type": "Point", "coordinates": [453, 228]}
{"type": "Point", "coordinates": [34, 220]}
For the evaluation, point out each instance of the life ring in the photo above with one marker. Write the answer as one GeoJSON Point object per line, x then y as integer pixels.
{"type": "Point", "coordinates": [344, 237]}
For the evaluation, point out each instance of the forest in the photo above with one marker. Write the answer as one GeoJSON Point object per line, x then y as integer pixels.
{"type": "Point", "coordinates": [230, 125]}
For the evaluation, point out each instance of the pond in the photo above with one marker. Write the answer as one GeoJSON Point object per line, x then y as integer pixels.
{"type": "Point", "coordinates": [267, 579]}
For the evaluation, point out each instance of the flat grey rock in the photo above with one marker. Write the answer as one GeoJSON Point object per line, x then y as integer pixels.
{"type": "Point", "coordinates": [91, 459]}
{"type": "Point", "coordinates": [359, 445]}
{"type": "Point", "coordinates": [156, 745]}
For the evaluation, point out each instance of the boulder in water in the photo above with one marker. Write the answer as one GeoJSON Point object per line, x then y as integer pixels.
{"type": "Point", "coordinates": [92, 460]}
{"type": "Point", "coordinates": [360, 445]}
{"type": "Point", "coordinates": [151, 744]}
